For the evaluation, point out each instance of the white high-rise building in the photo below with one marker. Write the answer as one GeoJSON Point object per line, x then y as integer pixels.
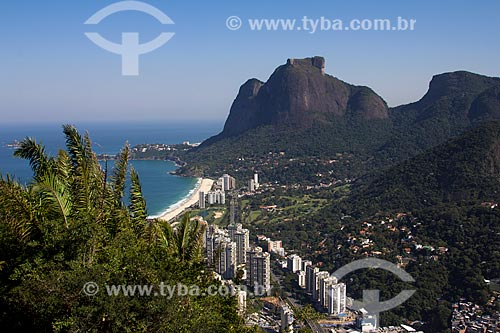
{"type": "Point", "coordinates": [242, 240]}
{"type": "Point", "coordinates": [311, 278]}
{"type": "Point", "coordinates": [336, 298]}
{"type": "Point", "coordinates": [242, 301]}
{"type": "Point", "coordinates": [301, 279]}
{"type": "Point", "coordinates": [324, 288]}
{"type": "Point", "coordinates": [256, 180]}
{"type": "Point", "coordinates": [251, 185]}
{"type": "Point", "coordinates": [259, 271]}
{"type": "Point", "coordinates": [216, 197]}
{"type": "Point", "coordinates": [228, 182]}
{"type": "Point", "coordinates": [294, 263]}
{"type": "Point", "coordinates": [318, 280]}
{"type": "Point", "coordinates": [211, 198]}
{"type": "Point", "coordinates": [241, 237]}
{"type": "Point", "coordinates": [225, 257]}
{"type": "Point", "coordinates": [211, 234]}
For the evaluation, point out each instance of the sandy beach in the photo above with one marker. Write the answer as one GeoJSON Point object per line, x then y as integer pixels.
{"type": "Point", "coordinates": [205, 185]}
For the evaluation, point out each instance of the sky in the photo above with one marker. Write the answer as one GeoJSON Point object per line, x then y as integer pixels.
{"type": "Point", "coordinates": [51, 72]}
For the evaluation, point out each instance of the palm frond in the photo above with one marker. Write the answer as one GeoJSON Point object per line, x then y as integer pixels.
{"type": "Point", "coordinates": [188, 238]}
{"type": "Point", "coordinates": [74, 145]}
{"type": "Point", "coordinates": [119, 175]}
{"type": "Point", "coordinates": [137, 206]}
{"type": "Point", "coordinates": [62, 165]}
{"type": "Point", "coordinates": [18, 210]}
{"type": "Point", "coordinates": [54, 196]}
{"type": "Point", "coordinates": [35, 153]}
{"type": "Point", "coordinates": [88, 180]}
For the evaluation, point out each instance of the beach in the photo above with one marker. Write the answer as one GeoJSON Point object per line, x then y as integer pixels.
{"type": "Point", "coordinates": [204, 185]}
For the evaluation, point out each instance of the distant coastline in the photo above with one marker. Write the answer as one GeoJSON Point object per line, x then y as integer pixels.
{"type": "Point", "coordinates": [203, 185]}
{"type": "Point", "coordinates": [164, 152]}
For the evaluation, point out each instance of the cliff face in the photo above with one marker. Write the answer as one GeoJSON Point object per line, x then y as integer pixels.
{"type": "Point", "coordinates": [302, 112]}
{"type": "Point", "coordinates": [300, 102]}
{"type": "Point", "coordinates": [298, 95]}
{"type": "Point", "coordinates": [456, 99]}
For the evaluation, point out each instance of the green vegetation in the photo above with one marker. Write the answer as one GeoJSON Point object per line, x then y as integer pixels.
{"type": "Point", "coordinates": [287, 155]}
{"type": "Point", "coordinates": [431, 214]}
{"type": "Point", "coordinates": [212, 215]}
{"type": "Point", "coordinates": [70, 226]}
{"type": "Point", "coordinates": [327, 146]}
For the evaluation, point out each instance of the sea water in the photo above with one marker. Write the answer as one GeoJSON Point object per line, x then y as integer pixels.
{"type": "Point", "coordinates": [161, 189]}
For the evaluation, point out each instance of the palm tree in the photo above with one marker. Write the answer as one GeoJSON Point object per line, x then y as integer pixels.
{"type": "Point", "coordinates": [72, 188]}
{"type": "Point", "coordinates": [188, 239]}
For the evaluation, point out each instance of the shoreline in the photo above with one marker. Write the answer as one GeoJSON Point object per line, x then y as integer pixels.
{"type": "Point", "coordinates": [203, 185]}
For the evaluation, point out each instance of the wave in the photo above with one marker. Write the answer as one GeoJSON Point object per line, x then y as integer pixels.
{"type": "Point", "coordinates": [180, 202]}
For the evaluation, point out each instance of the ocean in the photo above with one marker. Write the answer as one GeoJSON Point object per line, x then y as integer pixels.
{"type": "Point", "coordinates": [161, 189]}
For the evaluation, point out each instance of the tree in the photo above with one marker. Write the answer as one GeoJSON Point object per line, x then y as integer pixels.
{"type": "Point", "coordinates": [70, 225]}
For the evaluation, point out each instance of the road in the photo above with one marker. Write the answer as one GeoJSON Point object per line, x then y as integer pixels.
{"type": "Point", "coordinates": [312, 324]}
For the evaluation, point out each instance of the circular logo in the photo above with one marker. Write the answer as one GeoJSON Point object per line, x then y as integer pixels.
{"type": "Point", "coordinates": [234, 23]}
{"type": "Point", "coordinates": [90, 289]}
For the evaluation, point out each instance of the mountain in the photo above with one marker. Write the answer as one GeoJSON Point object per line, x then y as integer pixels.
{"type": "Point", "coordinates": [304, 114]}
{"type": "Point", "coordinates": [466, 168]}
{"type": "Point", "coordinates": [299, 95]}
{"type": "Point", "coordinates": [453, 103]}
{"type": "Point", "coordinates": [437, 213]}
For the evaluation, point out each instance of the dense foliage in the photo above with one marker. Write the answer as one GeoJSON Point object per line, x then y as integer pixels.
{"type": "Point", "coordinates": [435, 215]}
{"type": "Point", "coordinates": [286, 155]}
{"type": "Point", "coordinates": [70, 226]}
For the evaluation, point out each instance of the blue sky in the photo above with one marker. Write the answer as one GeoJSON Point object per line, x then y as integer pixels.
{"type": "Point", "coordinates": [50, 72]}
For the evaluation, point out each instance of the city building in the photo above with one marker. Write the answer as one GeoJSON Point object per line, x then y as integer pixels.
{"type": "Point", "coordinates": [367, 322]}
{"type": "Point", "coordinates": [226, 249]}
{"type": "Point", "coordinates": [286, 319]}
{"type": "Point", "coordinates": [241, 237]}
{"type": "Point", "coordinates": [228, 182]}
{"type": "Point", "coordinates": [259, 271]}
{"type": "Point", "coordinates": [306, 263]}
{"type": "Point", "coordinates": [201, 200]}
{"type": "Point", "coordinates": [318, 279]}
{"type": "Point", "coordinates": [275, 246]}
{"type": "Point", "coordinates": [336, 298]}
{"type": "Point", "coordinates": [211, 197]}
{"type": "Point", "coordinates": [294, 263]}
{"type": "Point", "coordinates": [208, 242]}
{"type": "Point", "coordinates": [310, 278]}
{"type": "Point", "coordinates": [301, 279]}
{"type": "Point", "coordinates": [256, 180]}
{"type": "Point", "coordinates": [324, 288]}
{"type": "Point", "coordinates": [470, 317]}
{"type": "Point", "coordinates": [251, 185]}
{"type": "Point", "coordinates": [242, 301]}
{"type": "Point", "coordinates": [221, 198]}
{"type": "Point", "coordinates": [225, 257]}
{"type": "Point", "coordinates": [216, 197]}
